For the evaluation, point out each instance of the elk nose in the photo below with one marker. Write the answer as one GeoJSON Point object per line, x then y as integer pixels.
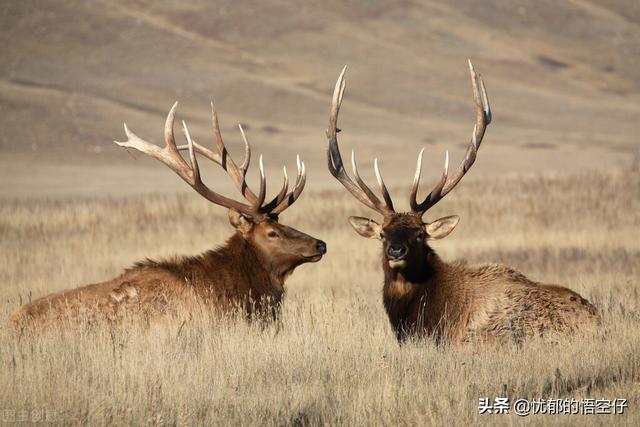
{"type": "Point", "coordinates": [396, 250]}
{"type": "Point", "coordinates": [321, 247]}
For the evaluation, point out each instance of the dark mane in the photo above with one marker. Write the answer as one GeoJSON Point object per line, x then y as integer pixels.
{"type": "Point", "coordinates": [179, 265]}
{"type": "Point", "coordinates": [174, 264]}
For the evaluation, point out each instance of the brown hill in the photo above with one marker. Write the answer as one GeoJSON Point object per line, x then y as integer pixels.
{"type": "Point", "coordinates": [562, 78]}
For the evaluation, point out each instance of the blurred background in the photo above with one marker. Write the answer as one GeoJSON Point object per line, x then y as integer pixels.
{"type": "Point", "coordinates": [562, 78]}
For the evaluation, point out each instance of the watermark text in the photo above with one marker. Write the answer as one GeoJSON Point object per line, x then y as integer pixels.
{"type": "Point", "coordinates": [526, 407]}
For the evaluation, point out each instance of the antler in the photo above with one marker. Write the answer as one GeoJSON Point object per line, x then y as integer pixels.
{"type": "Point", "coordinates": [334, 160]}
{"type": "Point", "coordinates": [446, 183]}
{"type": "Point", "coordinates": [288, 199]}
{"type": "Point", "coordinates": [170, 156]}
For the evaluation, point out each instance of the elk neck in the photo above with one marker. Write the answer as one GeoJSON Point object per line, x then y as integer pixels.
{"type": "Point", "coordinates": [418, 271]}
{"type": "Point", "coordinates": [250, 259]}
{"type": "Point", "coordinates": [421, 278]}
{"type": "Point", "coordinates": [417, 297]}
{"type": "Point", "coordinates": [278, 268]}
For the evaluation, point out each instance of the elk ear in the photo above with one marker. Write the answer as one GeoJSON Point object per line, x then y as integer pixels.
{"type": "Point", "coordinates": [441, 227]}
{"type": "Point", "coordinates": [365, 227]}
{"type": "Point", "coordinates": [240, 222]}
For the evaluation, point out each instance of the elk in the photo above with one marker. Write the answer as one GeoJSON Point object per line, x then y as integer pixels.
{"type": "Point", "coordinates": [248, 272]}
{"type": "Point", "coordinates": [449, 302]}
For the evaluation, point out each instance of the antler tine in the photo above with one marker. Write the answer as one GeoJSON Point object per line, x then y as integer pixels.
{"type": "Point", "coordinates": [283, 199]}
{"type": "Point", "coordinates": [416, 182]}
{"type": "Point", "coordinates": [222, 157]}
{"type": "Point", "coordinates": [363, 185]}
{"type": "Point", "coordinates": [217, 158]}
{"type": "Point", "coordinates": [237, 174]}
{"type": "Point", "coordinates": [171, 142]}
{"type": "Point", "coordinates": [280, 196]}
{"type": "Point", "coordinates": [195, 169]}
{"type": "Point", "coordinates": [169, 138]}
{"type": "Point", "coordinates": [333, 153]}
{"type": "Point", "coordinates": [446, 184]}
{"type": "Point", "coordinates": [203, 151]}
{"type": "Point", "coordinates": [485, 100]}
{"type": "Point", "coordinates": [334, 159]}
{"type": "Point", "coordinates": [285, 187]}
{"type": "Point", "coordinates": [263, 186]}
{"type": "Point", "coordinates": [383, 188]}
{"type": "Point", "coordinates": [436, 190]}
{"type": "Point", "coordinates": [247, 152]}
{"type": "Point", "coordinates": [170, 156]}
{"type": "Point", "coordinates": [292, 196]}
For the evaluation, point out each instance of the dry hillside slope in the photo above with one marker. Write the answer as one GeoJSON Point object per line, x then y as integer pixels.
{"type": "Point", "coordinates": [562, 78]}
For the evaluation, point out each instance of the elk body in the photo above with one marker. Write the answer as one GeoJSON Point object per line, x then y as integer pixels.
{"type": "Point", "coordinates": [248, 272]}
{"type": "Point", "coordinates": [425, 296]}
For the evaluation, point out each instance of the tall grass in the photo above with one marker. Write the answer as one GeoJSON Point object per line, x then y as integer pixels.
{"type": "Point", "coordinates": [334, 359]}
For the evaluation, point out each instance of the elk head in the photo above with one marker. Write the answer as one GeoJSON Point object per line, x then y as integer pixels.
{"type": "Point", "coordinates": [404, 234]}
{"type": "Point", "coordinates": [281, 247]}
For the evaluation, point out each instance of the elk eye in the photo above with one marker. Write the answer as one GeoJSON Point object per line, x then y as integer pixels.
{"type": "Point", "coordinates": [272, 234]}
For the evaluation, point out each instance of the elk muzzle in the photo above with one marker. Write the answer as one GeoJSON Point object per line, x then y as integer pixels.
{"type": "Point", "coordinates": [320, 248]}
{"type": "Point", "coordinates": [396, 253]}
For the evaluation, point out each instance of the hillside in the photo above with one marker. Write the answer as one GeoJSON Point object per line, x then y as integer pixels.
{"type": "Point", "coordinates": [562, 79]}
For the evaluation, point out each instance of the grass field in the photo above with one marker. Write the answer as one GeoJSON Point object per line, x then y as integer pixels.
{"type": "Point", "coordinates": [552, 194]}
{"type": "Point", "coordinates": [335, 360]}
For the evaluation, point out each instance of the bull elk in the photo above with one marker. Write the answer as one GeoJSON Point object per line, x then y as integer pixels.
{"type": "Point", "coordinates": [249, 271]}
{"type": "Point", "coordinates": [425, 296]}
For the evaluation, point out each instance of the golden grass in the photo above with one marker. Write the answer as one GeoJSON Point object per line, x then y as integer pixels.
{"type": "Point", "coordinates": [334, 360]}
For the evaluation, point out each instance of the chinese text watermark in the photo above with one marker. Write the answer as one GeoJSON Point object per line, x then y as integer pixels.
{"type": "Point", "coordinates": [525, 407]}
{"type": "Point", "coordinates": [38, 415]}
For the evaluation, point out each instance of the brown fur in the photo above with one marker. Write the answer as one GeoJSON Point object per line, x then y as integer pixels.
{"type": "Point", "coordinates": [248, 272]}
{"type": "Point", "coordinates": [457, 302]}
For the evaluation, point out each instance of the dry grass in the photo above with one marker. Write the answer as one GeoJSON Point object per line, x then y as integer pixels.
{"type": "Point", "coordinates": [563, 86]}
{"type": "Point", "coordinates": [335, 359]}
